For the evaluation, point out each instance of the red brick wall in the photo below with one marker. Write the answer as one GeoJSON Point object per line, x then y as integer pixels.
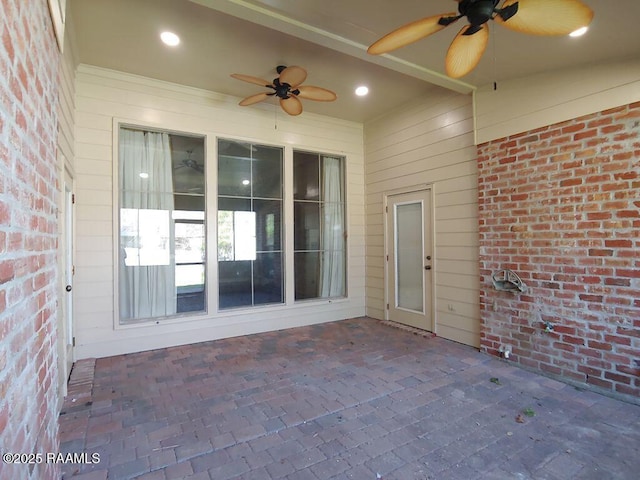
{"type": "Point", "coordinates": [560, 206]}
{"type": "Point", "coordinates": [28, 223]}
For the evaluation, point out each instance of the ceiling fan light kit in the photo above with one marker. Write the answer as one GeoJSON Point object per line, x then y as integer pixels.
{"type": "Point", "coordinates": [535, 17]}
{"type": "Point", "coordinates": [288, 88]}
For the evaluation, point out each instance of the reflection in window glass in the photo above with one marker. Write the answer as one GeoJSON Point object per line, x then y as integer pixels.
{"type": "Point", "coordinates": [189, 239]}
{"type": "Point", "coordinates": [190, 254]}
{"type": "Point", "coordinates": [249, 224]}
{"type": "Point", "coordinates": [236, 235]}
{"type": "Point", "coordinates": [145, 236]}
{"type": "Point", "coordinates": [270, 229]}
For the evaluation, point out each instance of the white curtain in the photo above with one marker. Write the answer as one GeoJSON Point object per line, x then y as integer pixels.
{"type": "Point", "coordinates": [332, 262]}
{"type": "Point", "coordinates": [147, 263]}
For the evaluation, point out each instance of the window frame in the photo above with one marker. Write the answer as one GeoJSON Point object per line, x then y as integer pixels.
{"type": "Point", "coordinates": [212, 311]}
{"type": "Point", "coordinates": [178, 317]}
{"type": "Point", "coordinates": [251, 198]}
{"type": "Point", "coordinates": [320, 202]}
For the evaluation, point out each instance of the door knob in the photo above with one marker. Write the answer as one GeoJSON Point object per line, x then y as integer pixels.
{"type": "Point", "coordinates": [68, 288]}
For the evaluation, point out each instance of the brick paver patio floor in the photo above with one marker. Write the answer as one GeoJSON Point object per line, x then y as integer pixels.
{"type": "Point", "coordinates": [355, 399]}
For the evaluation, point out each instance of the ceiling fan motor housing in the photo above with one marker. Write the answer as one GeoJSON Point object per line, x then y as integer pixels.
{"type": "Point", "coordinates": [283, 90]}
{"type": "Point", "coordinates": [478, 11]}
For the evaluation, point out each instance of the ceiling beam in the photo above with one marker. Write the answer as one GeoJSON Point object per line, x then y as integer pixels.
{"type": "Point", "coordinates": [277, 21]}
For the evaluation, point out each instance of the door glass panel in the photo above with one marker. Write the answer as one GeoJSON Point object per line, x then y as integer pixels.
{"type": "Point", "coordinates": [408, 254]}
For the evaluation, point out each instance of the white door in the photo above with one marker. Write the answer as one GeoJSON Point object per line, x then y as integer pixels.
{"type": "Point", "coordinates": [69, 272]}
{"type": "Point", "coordinates": [65, 326]}
{"type": "Point", "coordinates": [409, 259]}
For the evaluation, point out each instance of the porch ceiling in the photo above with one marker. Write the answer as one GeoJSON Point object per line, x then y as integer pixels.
{"type": "Point", "coordinates": [329, 39]}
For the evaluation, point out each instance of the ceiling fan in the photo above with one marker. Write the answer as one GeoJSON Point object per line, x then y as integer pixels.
{"type": "Point", "coordinates": [537, 17]}
{"type": "Point", "coordinates": [190, 163]}
{"type": "Point", "coordinates": [288, 88]}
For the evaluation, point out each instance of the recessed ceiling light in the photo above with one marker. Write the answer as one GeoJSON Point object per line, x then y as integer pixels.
{"type": "Point", "coordinates": [579, 32]}
{"type": "Point", "coordinates": [361, 91]}
{"type": "Point", "coordinates": [144, 175]}
{"type": "Point", "coordinates": [170, 38]}
{"type": "Point", "coordinates": [245, 182]}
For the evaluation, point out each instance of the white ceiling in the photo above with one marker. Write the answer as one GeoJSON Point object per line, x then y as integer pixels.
{"type": "Point", "coordinates": [328, 38]}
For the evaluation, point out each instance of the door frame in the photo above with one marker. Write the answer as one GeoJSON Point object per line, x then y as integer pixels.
{"type": "Point", "coordinates": [67, 254]}
{"type": "Point", "coordinates": [387, 215]}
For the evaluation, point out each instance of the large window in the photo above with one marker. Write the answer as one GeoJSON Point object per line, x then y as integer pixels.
{"type": "Point", "coordinates": [319, 233]}
{"type": "Point", "coordinates": [162, 268]}
{"type": "Point", "coordinates": [250, 256]}
{"type": "Point", "coordinates": [162, 224]}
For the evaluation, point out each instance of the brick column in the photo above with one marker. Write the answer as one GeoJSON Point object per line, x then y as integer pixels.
{"type": "Point", "coordinates": [28, 246]}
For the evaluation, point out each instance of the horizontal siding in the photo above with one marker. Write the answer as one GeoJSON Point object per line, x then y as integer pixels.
{"type": "Point", "coordinates": [429, 143]}
{"type": "Point", "coordinates": [525, 104]}
{"type": "Point", "coordinates": [467, 239]}
{"type": "Point", "coordinates": [104, 97]}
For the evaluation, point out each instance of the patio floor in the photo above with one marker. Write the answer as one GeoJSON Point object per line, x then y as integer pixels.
{"type": "Point", "coordinates": [356, 399]}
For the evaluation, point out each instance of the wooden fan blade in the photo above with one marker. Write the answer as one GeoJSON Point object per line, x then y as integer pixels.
{"type": "Point", "coordinates": [547, 17]}
{"type": "Point", "coordinates": [258, 97]}
{"type": "Point", "coordinates": [255, 80]}
{"type": "Point", "coordinates": [291, 105]}
{"type": "Point", "coordinates": [294, 76]}
{"type": "Point", "coordinates": [318, 94]}
{"type": "Point", "coordinates": [466, 51]}
{"type": "Point", "coordinates": [412, 32]}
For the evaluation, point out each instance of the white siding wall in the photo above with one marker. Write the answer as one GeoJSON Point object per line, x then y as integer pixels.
{"type": "Point", "coordinates": [429, 142]}
{"type": "Point", "coordinates": [524, 104]}
{"type": "Point", "coordinates": [66, 102]}
{"type": "Point", "coordinates": [104, 97]}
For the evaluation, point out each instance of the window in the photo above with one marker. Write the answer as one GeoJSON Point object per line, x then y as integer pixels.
{"type": "Point", "coordinates": [162, 224]}
{"type": "Point", "coordinates": [250, 256]}
{"type": "Point", "coordinates": [162, 268]}
{"type": "Point", "coordinates": [319, 233]}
